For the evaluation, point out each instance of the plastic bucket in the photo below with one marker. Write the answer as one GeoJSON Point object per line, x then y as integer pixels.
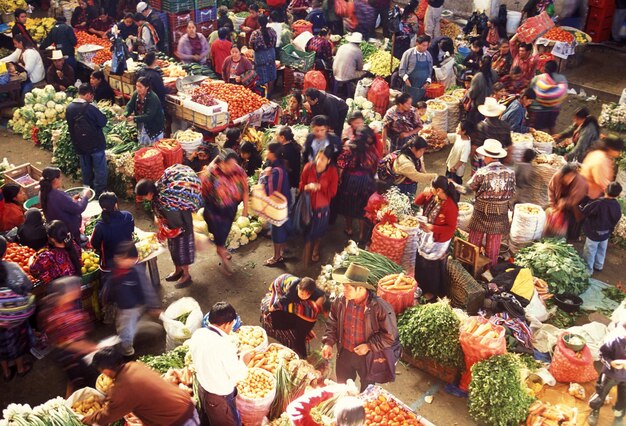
{"type": "Point", "coordinates": [464, 51]}
{"type": "Point", "coordinates": [32, 202]}
{"type": "Point", "coordinates": [513, 20]}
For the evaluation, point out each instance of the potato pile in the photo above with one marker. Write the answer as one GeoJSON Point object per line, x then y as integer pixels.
{"type": "Point", "coordinates": [391, 231]}
{"type": "Point", "coordinates": [257, 384]}
{"type": "Point", "coordinates": [88, 406]}
{"type": "Point", "coordinates": [250, 337]}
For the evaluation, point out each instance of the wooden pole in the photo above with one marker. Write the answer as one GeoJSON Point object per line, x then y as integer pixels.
{"type": "Point", "coordinates": [393, 44]}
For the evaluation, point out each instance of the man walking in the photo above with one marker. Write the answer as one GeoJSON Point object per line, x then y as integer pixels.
{"type": "Point", "coordinates": [85, 123]}
{"type": "Point", "coordinates": [432, 19]}
{"type": "Point", "coordinates": [359, 322]}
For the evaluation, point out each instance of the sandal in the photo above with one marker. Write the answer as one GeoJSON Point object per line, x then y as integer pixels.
{"type": "Point", "coordinates": [315, 257]}
{"type": "Point", "coordinates": [271, 262]}
{"type": "Point", "coordinates": [174, 276]}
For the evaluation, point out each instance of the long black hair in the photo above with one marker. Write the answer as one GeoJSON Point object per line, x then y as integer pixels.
{"type": "Point", "coordinates": [414, 143]}
{"type": "Point", "coordinates": [45, 185]}
{"type": "Point", "coordinates": [277, 149]}
{"type": "Point", "coordinates": [108, 202]}
{"type": "Point", "coordinates": [265, 32]}
{"type": "Point", "coordinates": [57, 230]}
{"type": "Point", "coordinates": [485, 69]}
{"type": "Point", "coordinates": [442, 182]}
{"type": "Point", "coordinates": [364, 137]}
{"type": "Point", "coordinates": [584, 114]}
{"type": "Point", "coordinates": [287, 133]}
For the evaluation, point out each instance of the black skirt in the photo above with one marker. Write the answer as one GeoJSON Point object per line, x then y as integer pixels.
{"type": "Point", "coordinates": [431, 275]}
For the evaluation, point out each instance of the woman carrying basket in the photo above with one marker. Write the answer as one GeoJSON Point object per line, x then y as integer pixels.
{"type": "Point", "coordinates": [175, 196]}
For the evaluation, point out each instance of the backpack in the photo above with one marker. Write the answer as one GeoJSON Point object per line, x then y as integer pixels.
{"type": "Point", "coordinates": [385, 167]}
{"type": "Point", "coordinates": [87, 135]}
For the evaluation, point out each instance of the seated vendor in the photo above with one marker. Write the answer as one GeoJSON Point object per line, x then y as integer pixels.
{"type": "Point", "coordinates": [12, 214]}
{"type": "Point", "coordinates": [237, 69]}
{"type": "Point", "coordinates": [127, 26]}
{"type": "Point", "coordinates": [61, 258]}
{"type": "Point", "coordinates": [101, 25]}
{"type": "Point", "coordinates": [193, 46]}
{"type": "Point", "coordinates": [60, 75]}
{"type": "Point", "coordinates": [26, 59]}
{"type": "Point", "coordinates": [83, 15]}
{"type": "Point", "coordinates": [101, 88]}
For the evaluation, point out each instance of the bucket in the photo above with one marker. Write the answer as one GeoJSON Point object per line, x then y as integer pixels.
{"type": "Point", "coordinates": [464, 51]}
{"type": "Point", "coordinates": [32, 202]}
{"type": "Point", "coordinates": [513, 20]}
{"type": "Point", "coordinates": [489, 6]}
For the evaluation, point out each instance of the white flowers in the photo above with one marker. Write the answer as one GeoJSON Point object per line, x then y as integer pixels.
{"type": "Point", "coordinates": [613, 117]}
{"type": "Point", "coordinates": [398, 204]}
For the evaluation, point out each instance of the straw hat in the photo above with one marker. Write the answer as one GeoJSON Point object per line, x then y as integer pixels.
{"type": "Point", "coordinates": [355, 275]}
{"type": "Point", "coordinates": [354, 38]}
{"type": "Point", "coordinates": [491, 108]}
{"type": "Point", "coordinates": [142, 6]}
{"type": "Point", "coordinates": [492, 148]}
{"type": "Point", "coordinates": [56, 55]}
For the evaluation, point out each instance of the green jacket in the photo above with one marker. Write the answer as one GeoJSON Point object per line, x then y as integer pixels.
{"type": "Point", "coordinates": [152, 118]}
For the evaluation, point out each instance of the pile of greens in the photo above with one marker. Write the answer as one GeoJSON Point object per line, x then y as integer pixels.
{"type": "Point", "coordinates": [64, 155]}
{"type": "Point", "coordinates": [432, 331]}
{"type": "Point", "coordinates": [497, 394]}
{"type": "Point", "coordinates": [557, 263]}
{"type": "Point", "coordinates": [172, 359]}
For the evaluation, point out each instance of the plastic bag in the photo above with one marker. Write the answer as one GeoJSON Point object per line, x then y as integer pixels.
{"type": "Point", "coordinates": [252, 411]}
{"type": "Point", "coordinates": [81, 395]}
{"type": "Point", "coordinates": [480, 339]}
{"type": "Point", "coordinates": [315, 79]}
{"type": "Point", "coordinates": [537, 308]}
{"type": "Point", "coordinates": [177, 332]}
{"type": "Point", "coordinates": [569, 366]}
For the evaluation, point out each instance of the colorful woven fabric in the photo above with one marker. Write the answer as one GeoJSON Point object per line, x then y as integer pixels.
{"type": "Point", "coordinates": [549, 93]}
{"type": "Point", "coordinates": [15, 308]}
{"type": "Point", "coordinates": [179, 189]}
{"type": "Point", "coordinates": [279, 290]}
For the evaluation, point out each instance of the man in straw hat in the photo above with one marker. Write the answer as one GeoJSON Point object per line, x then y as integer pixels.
{"type": "Point", "coordinates": [494, 186]}
{"type": "Point", "coordinates": [492, 127]}
{"type": "Point", "coordinates": [60, 74]}
{"type": "Point", "coordinates": [359, 322]}
{"type": "Point", "coordinates": [348, 65]}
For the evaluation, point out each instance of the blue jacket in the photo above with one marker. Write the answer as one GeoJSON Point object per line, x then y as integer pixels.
{"type": "Point", "coordinates": [95, 117]}
{"type": "Point", "coordinates": [107, 235]}
{"type": "Point", "coordinates": [60, 206]}
{"type": "Point", "coordinates": [515, 115]}
{"type": "Point", "coordinates": [602, 215]}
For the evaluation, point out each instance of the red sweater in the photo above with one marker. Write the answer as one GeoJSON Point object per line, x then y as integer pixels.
{"type": "Point", "coordinates": [329, 180]}
{"type": "Point", "coordinates": [220, 50]}
{"type": "Point", "coordinates": [12, 216]}
{"type": "Point", "coordinates": [445, 223]}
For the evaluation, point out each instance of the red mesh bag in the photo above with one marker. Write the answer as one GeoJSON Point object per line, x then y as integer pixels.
{"type": "Point", "coordinates": [400, 300]}
{"type": "Point", "coordinates": [480, 339]}
{"type": "Point", "coordinates": [391, 248]}
{"type": "Point", "coordinates": [171, 150]}
{"type": "Point", "coordinates": [148, 163]}
{"type": "Point", "coordinates": [569, 366]}
{"type": "Point", "coordinates": [315, 79]}
{"type": "Point", "coordinates": [379, 95]}
{"type": "Point", "coordinates": [299, 27]}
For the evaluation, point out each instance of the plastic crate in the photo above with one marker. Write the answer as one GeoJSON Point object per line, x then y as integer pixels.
{"type": "Point", "coordinates": [155, 4]}
{"type": "Point", "coordinates": [177, 20]}
{"type": "Point", "coordinates": [203, 4]}
{"type": "Point", "coordinates": [175, 36]}
{"type": "Point", "coordinates": [206, 15]}
{"type": "Point", "coordinates": [206, 28]}
{"type": "Point", "coordinates": [164, 18]}
{"type": "Point", "coordinates": [296, 59]}
{"type": "Point", "coordinates": [176, 6]}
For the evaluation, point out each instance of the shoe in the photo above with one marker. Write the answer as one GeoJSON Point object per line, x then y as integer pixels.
{"type": "Point", "coordinates": [618, 413]}
{"type": "Point", "coordinates": [174, 276]}
{"type": "Point", "coordinates": [597, 270]}
{"type": "Point", "coordinates": [184, 284]}
{"type": "Point", "coordinates": [128, 351]}
{"type": "Point", "coordinates": [593, 417]}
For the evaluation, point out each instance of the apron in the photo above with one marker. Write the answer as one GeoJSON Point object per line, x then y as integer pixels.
{"type": "Point", "coordinates": [418, 77]}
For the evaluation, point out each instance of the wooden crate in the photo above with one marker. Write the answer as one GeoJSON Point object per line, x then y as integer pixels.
{"type": "Point", "coordinates": [442, 372]}
{"type": "Point", "coordinates": [16, 175]}
{"type": "Point", "coordinates": [213, 123]}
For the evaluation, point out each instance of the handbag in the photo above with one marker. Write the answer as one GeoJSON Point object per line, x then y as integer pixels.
{"type": "Point", "coordinates": [302, 212]}
{"type": "Point", "coordinates": [273, 207]}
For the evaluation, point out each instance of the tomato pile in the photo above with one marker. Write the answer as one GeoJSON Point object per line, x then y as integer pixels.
{"type": "Point", "coordinates": [240, 100]}
{"type": "Point", "coordinates": [20, 255]}
{"type": "Point", "coordinates": [559, 34]}
{"type": "Point", "coordinates": [382, 411]}
{"type": "Point", "coordinates": [102, 55]}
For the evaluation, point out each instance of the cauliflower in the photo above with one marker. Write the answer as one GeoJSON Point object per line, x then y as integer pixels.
{"type": "Point", "coordinates": [243, 222]}
{"type": "Point", "coordinates": [59, 108]}
{"type": "Point", "coordinates": [51, 105]}
{"type": "Point", "coordinates": [252, 237]}
{"type": "Point", "coordinates": [51, 113]}
{"type": "Point", "coordinates": [60, 97]}
{"type": "Point", "coordinates": [233, 245]}
{"type": "Point", "coordinates": [368, 105]}
{"type": "Point", "coordinates": [243, 240]}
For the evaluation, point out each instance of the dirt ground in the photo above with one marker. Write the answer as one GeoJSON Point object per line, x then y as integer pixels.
{"type": "Point", "coordinates": [245, 291]}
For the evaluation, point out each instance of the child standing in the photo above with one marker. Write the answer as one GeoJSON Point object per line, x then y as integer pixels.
{"type": "Point", "coordinates": [460, 152]}
{"type": "Point", "coordinates": [131, 292]}
{"type": "Point", "coordinates": [601, 217]}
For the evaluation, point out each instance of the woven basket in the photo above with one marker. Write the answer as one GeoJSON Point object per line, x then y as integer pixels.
{"type": "Point", "coordinates": [300, 28]}
{"type": "Point", "coordinates": [464, 291]}
{"type": "Point", "coordinates": [410, 249]}
{"type": "Point", "coordinates": [170, 156]}
{"type": "Point", "coordinates": [273, 208]}
{"type": "Point", "coordinates": [444, 373]}
{"type": "Point", "coordinates": [391, 248]}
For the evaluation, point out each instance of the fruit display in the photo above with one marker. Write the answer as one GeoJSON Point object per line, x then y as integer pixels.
{"type": "Point", "coordinates": [87, 406]}
{"type": "Point", "coordinates": [147, 244]}
{"type": "Point", "coordinates": [397, 282]}
{"type": "Point", "coordinates": [559, 34]}
{"type": "Point", "coordinates": [386, 410]}
{"type": "Point", "coordinates": [101, 55]}
{"type": "Point", "coordinates": [104, 383]}
{"type": "Point", "coordinates": [37, 27]}
{"type": "Point", "coordinates": [270, 358]}
{"type": "Point", "coordinates": [542, 137]}
{"type": "Point", "coordinates": [250, 337]}
{"type": "Point", "coordinates": [391, 231]}
{"type": "Point", "coordinates": [9, 6]}
{"type": "Point", "coordinates": [581, 37]}
{"type": "Point", "coordinates": [257, 384]}
{"type": "Point", "coordinates": [21, 255]}
{"type": "Point", "coordinates": [379, 63]}
{"type": "Point", "coordinates": [90, 261]}
{"type": "Point", "coordinates": [241, 101]}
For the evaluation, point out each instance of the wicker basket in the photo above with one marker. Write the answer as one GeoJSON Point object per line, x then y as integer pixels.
{"type": "Point", "coordinates": [300, 28]}
{"type": "Point", "coordinates": [464, 291]}
{"type": "Point", "coordinates": [434, 90]}
{"type": "Point", "coordinates": [273, 208]}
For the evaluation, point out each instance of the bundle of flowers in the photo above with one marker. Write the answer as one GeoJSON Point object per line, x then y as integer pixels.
{"type": "Point", "coordinates": [391, 207]}
{"type": "Point", "coordinates": [613, 117]}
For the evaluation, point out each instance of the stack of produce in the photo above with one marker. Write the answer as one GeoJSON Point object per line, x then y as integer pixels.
{"type": "Point", "coordinates": [255, 395]}
{"type": "Point", "coordinates": [9, 6]}
{"type": "Point", "coordinates": [251, 338]}
{"type": "Point", "coordinates": [521, 142]}
{"type": "Point", "coordinates": [410, 225]}
{"type": "Point", "coordinates": [180, 377]}
{"type": "Point", "coordinates": [454, 111]}
{"type": "Point", "coordinates": [52, 413]}
{"type": "Point", "coordinates": [20, 255]}
{"type": "Point", "coordinates": [480, 339]}
{"type": "Point", "coordinates": [173, 70]}
{"type": "Point", "coordinates": [243, 231]}
{"type": "Point", "coordinates": [241, 101]}
{"type": "Point", "coordinates": [366, 108]}
{"type": "Point", "coordinates": [398, 290]}
{"type": "Point", "coordinates": [465, 215]}
{"type": "Point", "coordinates": [148, 164]}
{"type": "Point", "coordinates": [436, 139]}
{"type": "Point", "coordinates": [389, 241]}
{"type": "Point", "coordinates": [559, 34]}
{"type": "Point", "coordinates": [367, 48]}
{"type": "Point", "coordinates": [103, 54]}
{"type": "Point", "coordinates": [619, 234]}
{"type": "Point", "coordinates": [439, 113]}
{"type": "Point", "coordinates": [41, 108]}
{"type": "Point", "coordinates": [189, 140]}
{"type": "Point", "coordinates": [382, 408]}
{"type": "Point", "coordinates": [380, 63]}
{"type": "Point", "coordinates": [613, 117]}
{"type": "Point", "coordinates": [450, 29]}
{"type": "Point", "coordinates": [37, 27]}
{"type": "Point", "coordinates": [200, 95]}
{"type": "Point", "coordinates": [458, 93]}
{"type": "Point", "coordinates": [543, 143]}
{"type": "Point", "coordinates": [88, 404]}
{"type": "Point", "coordinates": [528, 223]}
{"type": "Point", "coordinates": [90, 261]}
{"type": "Point", "coordinates": [544, 413]}
{"type": "Point", "coordinates": [171, 150]}
{"type": "Point", "coordinates": [271, 358]}
{"type": "Point", "coordinates": [121, 137]}
{"type": "Point", "coordinates": [176, 358]}
{"type": "Point", "coordinates": [147, 244]}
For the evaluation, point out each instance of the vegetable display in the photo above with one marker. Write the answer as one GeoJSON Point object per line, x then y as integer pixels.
{"type": "Point", "coordinates": [101, 55]}
{"type": "Point", "coordinates": [250, 337]}
{"type": "Point", "coordinates": [379, 63]}
{"type": "Point", "coordinates": [9, 6]}
{"type": "Point", "coordinates": [397, 282]}
{"type": "Point", "coordinates": [104, 383]}
{"type": "Point", "coordinates": [88, 406]}
{"type": "Point", "coordinates": [365, 107]}
{"type": "Point", "coordinates": [432, 331]}
{"type": "Point", "coordinates": [41, 108]}
{"type": "Point", "coordinates": [257, 384]}
{"type": "Point", "coordinates": [270, 359]}
{"type": "Point", "coordinates": [20, 255]}
{"type": "Point", "coordinates": [243, 231]}
{"type": "Point", "coordinates": [559, 34]}
{"type": "Point", "coordinates": [497, 395]}
{"type": "Point", "coordinates": [201, 96]}
{"type": "Point", "coordinates": [38, 28]}
{"type": "Point", "coordinates": [240, 100]}
{"type": "Point", "coordinates": [557, 263]}
{"type": "Point", "coordinates": [52, 413]}
{"type": "Point", "coordinates": [172, 359]}
{"type": "Point", "coordinates": [391, 231]}
{"type": "Point", "coordinates": [180, 377]}
{"type": "Point", "coordinates": [613, 117]}
{"type": "Point", "coordinates": [386, 411]}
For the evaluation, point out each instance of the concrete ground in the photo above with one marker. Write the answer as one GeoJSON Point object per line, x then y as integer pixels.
{"type": "Point", "coordinates": [245, 291]}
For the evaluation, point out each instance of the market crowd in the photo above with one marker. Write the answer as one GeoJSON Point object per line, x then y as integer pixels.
{"type": "Point", "coordinates": [337, 170]}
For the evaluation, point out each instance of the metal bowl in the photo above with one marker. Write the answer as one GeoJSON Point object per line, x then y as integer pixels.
{"type": "Point", "coordinates": [568, 302]}
{"type": "Point", "coordinates": [79, 190]}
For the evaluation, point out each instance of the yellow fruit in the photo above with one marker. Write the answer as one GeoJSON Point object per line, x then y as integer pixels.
{"type": "Point", "coordinates": [83, 270]}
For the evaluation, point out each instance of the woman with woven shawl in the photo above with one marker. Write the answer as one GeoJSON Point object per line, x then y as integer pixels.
{"type": "Point", "coordinates": [175, 196]}
{"type": "Point", "coordinates": [263, 42]}
{"type": "Point", "coordinates": [224, 186]}
{"type": "Point", "coordinates": [16, 306]}
{"type": "Point", "coordinates": [551, 90]}
{"type": "Point", "coordinates": [290, 309]}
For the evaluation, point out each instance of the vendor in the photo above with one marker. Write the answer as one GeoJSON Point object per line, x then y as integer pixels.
{"type": "Point", "coordinates": [127, 26]}
{"type": "Point", "coordinates": [101, 25]}
{"type": "Point", "coordinates": [63, 38]}
{"type": "Point", "coordinates": [62, 257]}
{"type": "Point", "coordinates": [220, 50]}
{"type": "Point", "coordinates": [12, 214]}
{"type": "Point", "coordinates": [155, 78]}
{"type": "Point", "coordinates": [237, 69]}
{"type": "Point", "coordinates": [60, 74]}
{"type": "Point", "coordinates": [584, 131]}
{"type": "Point", "coordinates": [440, 49]}
{"type": "Point", "coordinates": [113, 228]}
{"type": "Point", "coordinates": [251, 159]}
{"type": "Point", "coordinates": [290, 309]}
{"type": "Point", "coordinates": [440, 207]}
{"type": "Point", "coordinates": [193, 46]}
{"type": "Point", "coordinates": [174, 197]}
{"type": "Point", "coordinates": [410, 168]}
{"type": "Point", "coordinates": [145, 109]}
{"type": "Point", "coordinates": [223, 20]}
{"type": "Point", "coordinates": [502, 60]}
{"type": "Point", "coordinates": [516, 113]}
{"type": "Point", "coordinates": [32, 233]}
{"type": "Point", "coordinates": [19, 27]}
{"type": "Point", "coordinates": [26, 58]}
{"type": "Point", "coordinates": [202, 157]}
{"type": "Point", "coordinates": [147, 36]}
{"type": "Point", "coordinates": [472, 61]}
{"type": "Point", "coordinates": [523, 58]}
{"type": "Point", "coordinates": [233, 139]}
{"type": "Point", "coordinates": [323, 48]}
{"type": "Point", "coordinates": [321, 103]}
{"type": "Point", "coordinates": [295, 112]}
{"type": "Point", "coordinates": [102, 90]}
{"type": "Point", "coordinates": [416, 68]}
{"type": "Point", "coordinates": [158, 403]}
{"type": "Point", "coordinates": [83, 15]}
{"type": "Point", "coordinates": [401, 122]}
{"type": "Point", "coordinates": [251, 23]}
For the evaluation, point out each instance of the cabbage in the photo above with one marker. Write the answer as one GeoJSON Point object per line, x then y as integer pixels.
{"type": "Point", "coordinates": [243, 222]}
{"type": "Point", "coordinates": [256, 227]}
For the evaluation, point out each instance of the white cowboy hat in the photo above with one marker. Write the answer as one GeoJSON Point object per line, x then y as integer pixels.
{"type": "Point", "coordinates": [354, 38]}
{"type": "Point", "coordinates": [56, 55]}
{"type": "Point", "coordinates": [492, 148]}
{"type": "Point", "coordinates": [491, 108]}
{"type": "Point", "coordinates": [142, 6]}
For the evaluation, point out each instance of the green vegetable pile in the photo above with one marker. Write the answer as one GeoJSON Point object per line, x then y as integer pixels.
{"type": "Point", "coordinates": [378, 265]}
{"type": "Point", "coordinates": [432, 331]}
{"type": "Point", "coordinates": [557, 263]}
{"type": "Point", "coordinates": [497, 395]}
{"type": "Point", "coordinates": [172, 359]}
{"type": "Point", "coordinates": [64, 155]}
{"type": "Point", "coordinates": [614, 293]}
{"type": "Point", "coordinates": [91, 224]}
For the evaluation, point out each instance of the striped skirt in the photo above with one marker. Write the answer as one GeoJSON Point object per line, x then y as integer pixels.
{"type": "Point", "coordinates": [353, 193]}
{"type": "Point", "coordinates": [319, 224]}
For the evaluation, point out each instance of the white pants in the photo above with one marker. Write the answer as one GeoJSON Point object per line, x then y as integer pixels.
{"type": "Point", "coordinates": [432, 21]}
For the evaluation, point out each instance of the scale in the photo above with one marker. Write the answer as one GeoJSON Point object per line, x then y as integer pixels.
{"type": "Point", "coordinates": [187, 84]}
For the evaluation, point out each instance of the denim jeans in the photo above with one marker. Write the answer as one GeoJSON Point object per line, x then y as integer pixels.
{"type": "Point", "coordinates": [126, 326]}
{"type": "Point", "coordinates": [93, 167]}
{"type": "Point", "coordinates": [594, 254]}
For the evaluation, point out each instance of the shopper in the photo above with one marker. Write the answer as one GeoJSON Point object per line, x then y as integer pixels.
{"type": "Point", "coordinates": [526, 178]}
{"type": "Point", "coordinates": [440, 207]}
{"type": "Point", "coordinates": [218, 371]}
{"type": "Point", "coordinates": [13, 214]}
{"type": "Point", "coordinates": [58, 205]}
{"type": "Point", "coordinates": [26, 58]}
{"type": "Point", "coordinates": [319, 139]}
{"type": "Point", "coordinates": [263, 41]}
{"type": "Point", "coordinates": [432, 20]}
{"type": "Point", "coordinates": [158, 402]}
{"type": "Point", "coordinates": [598, 167]}
{"type": "Point", "coordinates": [147, 36]}
{"type": "Point", "coordinates": [127, 26]}
{"type": "Point", "coordinates": [323, 48]}
{"type": "Point", "coordinates": [334, 108]}
{"type": "Point", "coordinates": [162, 44]}
{"type": "Point", "coordinates": [480, 89]}
{"type": "Point", "coordinates": [112, 228]}
{"type": "Point", "coordinates": [401, 122]}
{"type": "Point", "coordinates": [154, 75]}
{"type": "Point", "coordinates": [276, 179]}
{"type": "Point", "coordinates": [502, 60]}
{"type": "Point", "coordinates": [251, 23]}
{"type": "Point", "coordinates": [233, 139]}
{"type": "Point", "coordinates": [85, 124]}
{"type": "Point", "coordinates": [514, 82]}
{"type": "Point", "coordinates": [566, 191]}
{"type": "Point", "coordinates": [146, 110]}
{"type": "Point", "coordinates": [494, 186]}
{"type": "Point", "coordinates": [584, 132]}
{"type": "Point", "coordinates": [220, 50]}
{"type": "Point", "coordinates": [410, 168]}
{"type": "Point", "coordinates": [359, 322]}
{"type": "Point", "coordinates": [251, 160]}
{"type": "Point", "coordinates": [61, 258]}
{"type": "Point", "coordinates": [355, 122]}
{"type": "Point", "coordinates": [416, 68]}
{"type": "Point", "coordinates": [493, 127]}
{"type": "Point", "coordinates": [62, 36]}
{"type": "Point", "coordinates": [348, 66]}
{"type": "Point", "coordinates": [460, 152]}
{"type": "Point", "coordinates": [223, 21]}
{"type": "Point", "coordinates": [601, 218]}
{"type": "Point", "coordinates": [290, 309]}
{"type": "Point", "coordinates": [517, 111]}
{"type": "Point", "coordinates": [551, 90]}
{"type": "Point", "coordinates": [440, 49]}
{"type": "Point", "coordinates": [32, 233]}
{"type": "Point", "coordinates": [292, 156]}
{"type": "Point", "coordinates": [224, 187]}
{"type": "Point", "coordinates": [15, 330]}
{"type": "Point", "coordinates": [472, 60]}
{"type": "Point", "coordinates": [320, 180]}
{"type": "Point", "coordinates": [175, 196]}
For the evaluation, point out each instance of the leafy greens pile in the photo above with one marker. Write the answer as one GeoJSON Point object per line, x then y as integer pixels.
{"type": "Point", "coordinates": [432, 331]}
{"type": "Point", "coordinates": [557, 263]}
{"type": "Point", "coordinates": [172, 359]}
{"type": "Point", "coordinates": [497, 395]}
